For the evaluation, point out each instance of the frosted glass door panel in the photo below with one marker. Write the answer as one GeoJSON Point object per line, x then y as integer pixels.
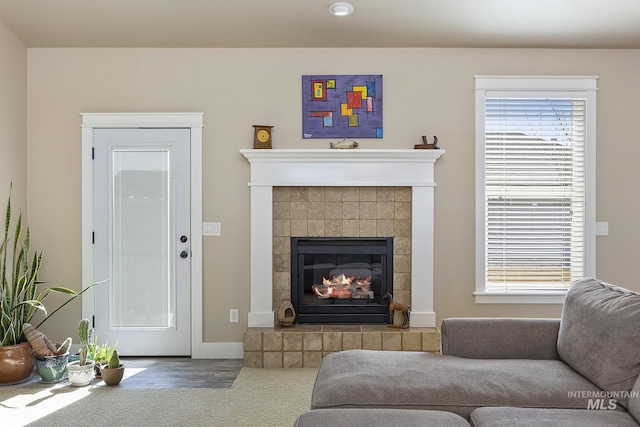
{"type": "Point", "coordinates": [143, 289]}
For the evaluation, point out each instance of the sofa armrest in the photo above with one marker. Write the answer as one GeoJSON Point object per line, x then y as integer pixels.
{"type": "Point", "coordinates": [500, 338]}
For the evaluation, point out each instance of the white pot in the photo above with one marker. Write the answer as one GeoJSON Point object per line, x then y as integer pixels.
{"type": "Point", "coordinates": [80, 375]}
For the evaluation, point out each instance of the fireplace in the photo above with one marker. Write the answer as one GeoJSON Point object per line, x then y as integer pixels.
{"type": "Point", "coordinates": [341, 280]}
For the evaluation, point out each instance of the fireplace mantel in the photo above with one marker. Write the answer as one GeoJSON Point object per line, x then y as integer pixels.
{"type": "Point", "coordinates": [346, 168]}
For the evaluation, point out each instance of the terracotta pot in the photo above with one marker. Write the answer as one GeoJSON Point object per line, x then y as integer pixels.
{"type": "Point", "coordinates": [16, 363]}
{"type": "Point", "coordinates": [112, 376]}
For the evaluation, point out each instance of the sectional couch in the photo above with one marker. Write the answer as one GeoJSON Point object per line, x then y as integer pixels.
{"type": "Point", "coordinates": [580, 370]}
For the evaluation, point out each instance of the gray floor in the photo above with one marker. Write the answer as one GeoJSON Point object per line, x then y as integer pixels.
{"type": "Point", "coordinates": [165, 372]}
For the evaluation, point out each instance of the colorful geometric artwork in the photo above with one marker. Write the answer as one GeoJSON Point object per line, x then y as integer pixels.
{"type": "Point", "coordinates": [342, 106]}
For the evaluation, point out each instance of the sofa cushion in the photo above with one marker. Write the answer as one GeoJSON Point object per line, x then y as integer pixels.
{"type": "Point", "coordinates": [634, 400]}
{"type": "Point", "coordinates": [416, 380]}
{"type": "Point", "coordinates": [600, 334]}
{"type": "Point", "coordinates": [378, 417]}
{"type": "Point", "coordinates": [526, 417]}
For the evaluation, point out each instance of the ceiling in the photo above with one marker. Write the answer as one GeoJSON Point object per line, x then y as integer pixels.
{"type": "Point", "coordinates": [307, 23]}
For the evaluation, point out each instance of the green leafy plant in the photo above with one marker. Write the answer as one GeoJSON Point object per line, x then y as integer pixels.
{"type": "Point", "coordinates": [85, 335]}
{"type": "Point", "coordinates": [114, 360]}
{"type": "Point", "coordinates": [100, 353]}
{"type": "Point", "coordinates": [20, 294]}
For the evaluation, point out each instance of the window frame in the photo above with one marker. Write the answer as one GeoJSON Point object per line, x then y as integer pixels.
{"type": "Point", "coordinates": [534, 87]}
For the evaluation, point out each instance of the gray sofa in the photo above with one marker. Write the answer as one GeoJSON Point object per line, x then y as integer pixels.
{"type": "Point", "coordinates": [498, 372]}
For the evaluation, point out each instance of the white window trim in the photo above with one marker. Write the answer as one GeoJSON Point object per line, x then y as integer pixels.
{"type": "Point", "coordinates": [565, 86]}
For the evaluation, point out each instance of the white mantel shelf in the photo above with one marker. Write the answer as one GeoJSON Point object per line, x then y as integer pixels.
{"type": "Point", "coordinates": [347, 168]}
{"type": "Point", "coordinates": [341, 167]}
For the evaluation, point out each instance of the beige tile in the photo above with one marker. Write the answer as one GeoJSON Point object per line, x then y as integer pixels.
{"type": "Point", "coordinates": [299, 194]}
{"type": "Point", "coordinates": [372, 340]}
{"type": "Point", "coordinates": [326, 353]}
{"type": "Point", "coordinates": [333, 194]}
{"type": "Point", "coordinates": [316, 194]}
{"type": "Point", "coordinates": [315, 228]}
{"type": "Point", "coordinates": [281, 262]}
{"type": "Point", "coordinates": [402, 228]}
{"type": "Point", "coordinates": [392, 341]}
{"type": "Point", "coordinates": [368, 194]}
{"type": "Point", "coordinates": [312, 341]}
{"type": "Point", "coordinates": [299, 210]}
{"type": "Point", "coordinates": [403, 194]}
{"type": "Point", "coordinates": [385, 210]}
{"type": "Point", "coordinates": [351, 340]}
{"type": "Point", "coordinates": [292, 341]}
{"type": "Point", "coordinates": [253, 359]}
{"type": "Point", "coordinates": [252, 340]}
{"type": "Point", "coordinates": [431, 340]}
{"type": "Point", "coordinates": [299, 227]}
{"type": "Point", "coordinates": [279, 296]}
{"type": "Point", "coordinates": [281, 227]}
{"type": "Point", "coordinates": [401, 281]}
{"type": "Point", "coordinates": [402, 210]}
{"type": "Point", "coordinates": [282, 245]}
{"type": "Point", "coordinates": [411, 341]}
{"type": "Point", "coordinates": [292, 359]}
{"type": "Point", "coordinates": [281, 210]}
{"type": "Point", "coordinates": [316, 210]}
{"type": "Point", "coordinates": [333, 210]}
{"type": "Point", "coordinates": [311, 359]}
{"type": "Point", "coordinates": [367, 227]}
{"type": "Point", "coordinates": [308, 328]}
{"type": "Point", "coordinates": [331, 341]}
{"type": "Point", "coordinates": [281, 194]}
{"type": "Point", "coordinates": [272, 340]}
{"type": "Point", "coordinates": [368, 210]}
{"type": "Point", "coordinates": [384, 228]}
{"type": "Point", "coordinates": [351, 228]}
{"type": "Point", "coordinates": [351, 194]}
{"type": "Point", "coordinates": [402, 263]}
{"type": "Point", "coordinates": [402, 245]}
{"type": "Point", "coordinates": [340, 328]}
{"type": "Point", "coordinates": [272, 359]}
{"type": "Point", "coordinates": [333, 228]}
{"type": "Point", "coordinates": [385, 194]}
{"type": "Point", "coordinates": [282, 280]}
{"type": "Point", "coordinates": [350, 210]}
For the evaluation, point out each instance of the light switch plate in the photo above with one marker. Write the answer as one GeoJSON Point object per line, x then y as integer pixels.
{"type": "Point", "coordinates": [602, 228]}
{"type": "Point", "coordinates": [211, 228]}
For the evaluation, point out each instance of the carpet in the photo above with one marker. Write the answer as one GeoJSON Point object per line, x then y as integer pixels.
{"type": "Point", "coordinates": [258, 397]}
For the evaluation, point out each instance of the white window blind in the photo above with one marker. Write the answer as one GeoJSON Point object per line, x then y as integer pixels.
{"type": "Point", "coordinates": [534, 193]}
{"type": "Point", "coordinates": [535, 186]}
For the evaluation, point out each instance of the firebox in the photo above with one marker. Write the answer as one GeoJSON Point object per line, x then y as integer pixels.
{"type": "Point", "coordinates": [341, 280]}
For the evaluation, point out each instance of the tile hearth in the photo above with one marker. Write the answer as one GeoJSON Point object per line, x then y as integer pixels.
{"type": "Point", "coordinates": [304, 346]}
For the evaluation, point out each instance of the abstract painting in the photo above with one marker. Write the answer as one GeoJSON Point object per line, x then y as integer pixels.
{"type": "Point", "coordinates": [342, 106]}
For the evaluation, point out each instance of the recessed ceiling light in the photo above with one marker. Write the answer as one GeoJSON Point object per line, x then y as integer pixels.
{"type": "Point", "coordinates": [341, 9]}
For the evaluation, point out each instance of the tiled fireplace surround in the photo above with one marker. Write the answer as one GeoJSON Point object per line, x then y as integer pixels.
{"type": "Point", "coordinates": [339, 193]}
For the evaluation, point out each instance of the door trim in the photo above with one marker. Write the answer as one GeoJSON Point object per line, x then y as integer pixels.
{"type": "Point", "coordinates": [194, 121]}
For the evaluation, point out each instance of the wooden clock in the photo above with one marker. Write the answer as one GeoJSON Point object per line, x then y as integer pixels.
{"type": "Point", "coordinates": [262, 136]}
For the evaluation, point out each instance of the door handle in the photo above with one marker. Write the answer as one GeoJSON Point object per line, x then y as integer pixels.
{"type": "Point", "coordinates": [184, 254]}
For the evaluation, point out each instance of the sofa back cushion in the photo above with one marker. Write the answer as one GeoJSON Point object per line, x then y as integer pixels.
{"type": "Point", "coordinates": [599, 335]}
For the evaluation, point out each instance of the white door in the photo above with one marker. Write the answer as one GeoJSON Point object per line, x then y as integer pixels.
{"type": "Point", "coordinates": [142, 240]}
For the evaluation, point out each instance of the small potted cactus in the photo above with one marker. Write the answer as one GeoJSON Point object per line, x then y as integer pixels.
{"type": "Point", "coordinates": [112, 373]}
{"type": "Point", "coordinates": [81, 371]}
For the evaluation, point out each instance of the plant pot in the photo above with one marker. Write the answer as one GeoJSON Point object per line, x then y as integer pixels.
{"type": "Point", "coordinates": [16, 363]}
{"type": "Point", "coordinates": [52, 369]}
{"type": "Point", "coordinates": [112, 376]}
{"type": "Point", "coordinates": [80, 375]}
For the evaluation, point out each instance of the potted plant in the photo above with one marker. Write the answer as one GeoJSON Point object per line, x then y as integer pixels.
{"type": "Point", "coordinates": [100, 354]}
{"type": "Point", "coordinates": [81, 371]}
{"type": "Point", "coordinates": [20, 299]}
{"type": "Point", "coordinates": [51, 360]}
{"type": "Point", "coordinates": [112, 374]}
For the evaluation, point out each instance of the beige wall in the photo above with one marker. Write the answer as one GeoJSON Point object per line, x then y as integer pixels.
{"type": "Point", "coordinates": [426, 92]}
{"type": "Point", "coordinates": [13, 120]}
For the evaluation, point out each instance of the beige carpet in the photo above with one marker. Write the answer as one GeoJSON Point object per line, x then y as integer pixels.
{"type": "Point", "coordinates": [259, 397]}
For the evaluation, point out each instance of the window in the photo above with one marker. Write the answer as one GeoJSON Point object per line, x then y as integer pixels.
{"type": "Point", "coordinates": [535, 194]}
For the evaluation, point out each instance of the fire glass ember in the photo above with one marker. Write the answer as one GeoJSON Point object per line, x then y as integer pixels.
{"type": "Point", "coordinates": [343, 287]}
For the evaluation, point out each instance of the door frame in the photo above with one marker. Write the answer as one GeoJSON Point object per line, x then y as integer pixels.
{"type": "Point", "coordinates": [193, 121]}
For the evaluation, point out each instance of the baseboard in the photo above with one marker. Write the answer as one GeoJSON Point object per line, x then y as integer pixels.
{"type": "Point", "coordinates": [218, 350]}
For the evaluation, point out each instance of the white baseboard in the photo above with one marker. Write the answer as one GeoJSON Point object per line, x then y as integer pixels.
{"type": "Point", "coordinates": [218, 350]}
